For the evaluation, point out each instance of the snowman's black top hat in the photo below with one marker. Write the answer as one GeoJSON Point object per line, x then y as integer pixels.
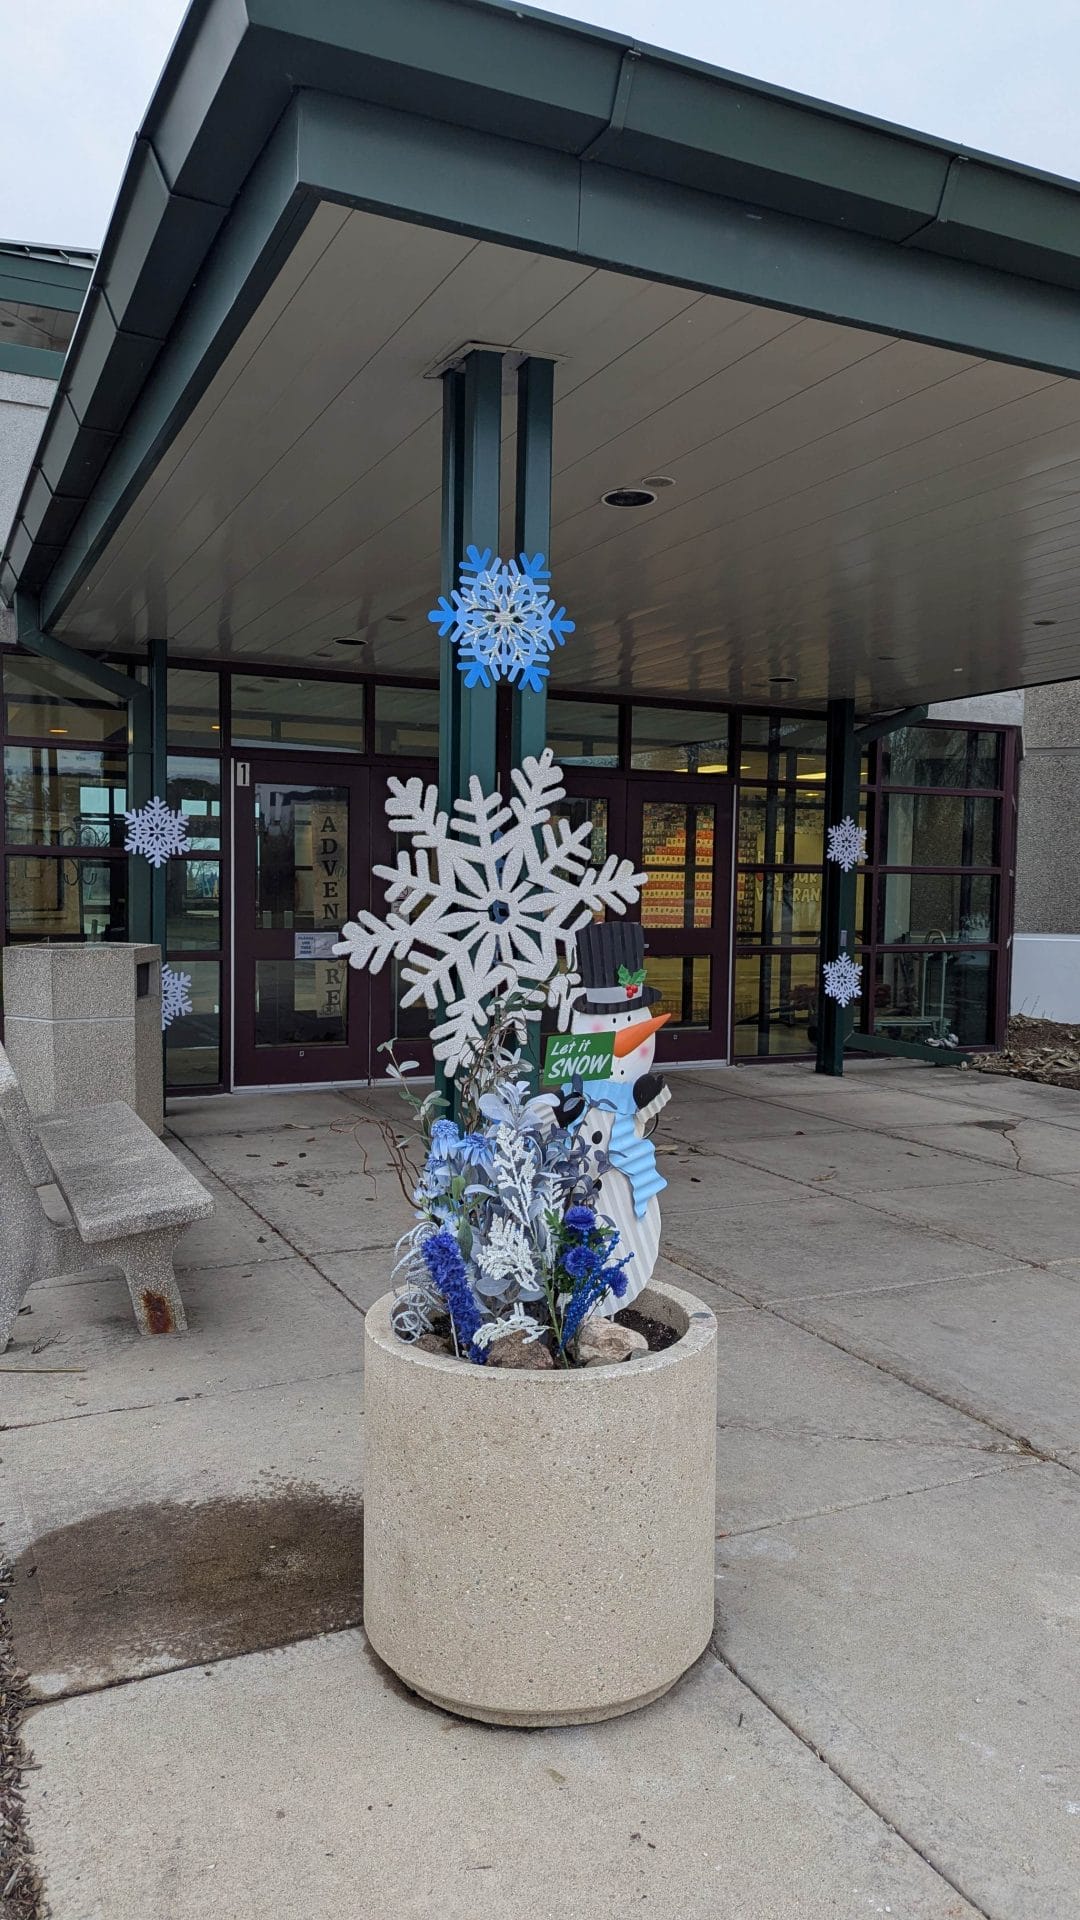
{"type": "Point", "coordinates": [611, 962]}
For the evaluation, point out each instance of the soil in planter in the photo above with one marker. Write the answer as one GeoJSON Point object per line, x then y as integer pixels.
{"type": "Point", "coordinates": [657, 1332]}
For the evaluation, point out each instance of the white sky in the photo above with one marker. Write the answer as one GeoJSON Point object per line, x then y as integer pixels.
{"type": "Point", "coordinates": [996, 74]}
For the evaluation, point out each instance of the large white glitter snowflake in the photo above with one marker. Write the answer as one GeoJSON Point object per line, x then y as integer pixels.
{"type": "Point", "coordinates": [489, 900]}
{"type": "Point", "coordinates": [502, 620]}
{"type": "Point", "coordinates": [847, 843]}
{"type": "Point", "coordinates": [155, 831]}
{"type": "Point", "coordinates": [175, 996]}
{"type": "Point", "coordinates": [843, 979]}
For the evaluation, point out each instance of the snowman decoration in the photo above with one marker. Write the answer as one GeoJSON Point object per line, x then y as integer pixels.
{"type": "Point", "coordinates": [616, 1000]}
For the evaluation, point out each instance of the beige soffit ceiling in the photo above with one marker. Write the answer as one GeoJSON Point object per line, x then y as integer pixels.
{"type": "Point", "coordinates": [852, 513]}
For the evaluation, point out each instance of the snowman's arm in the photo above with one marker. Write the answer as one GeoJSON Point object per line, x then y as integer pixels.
{"type": "Point", "coordinates": [655, 1106]}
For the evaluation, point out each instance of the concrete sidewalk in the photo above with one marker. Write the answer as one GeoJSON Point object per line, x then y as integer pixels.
{"type": "Point", "coordinates": [887, 1721]}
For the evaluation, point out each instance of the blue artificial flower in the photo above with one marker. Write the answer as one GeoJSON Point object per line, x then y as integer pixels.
{"type": "Point", "coordinates": [581, 1262]}
{"type": "Point", "coordinates": [442, 1257]}
{"type": "Point", "coordinates": [580, 1219]}
{"type": "Point", "coordinates": [477, 1149]}
{"type": "Point", "coordinates": [445, 1139]}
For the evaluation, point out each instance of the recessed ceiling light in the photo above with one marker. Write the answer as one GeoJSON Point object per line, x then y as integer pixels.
{"type": "Point", "coordinates": [397, 619]}
{"type": "Point", "coordinates": [628, 497]}
{"type": "Point", "coordinates": [658, 481]}
{"type": "Point", "coordinates": [1044, 623]}
{"type": "Point", "coordinates": [351, 639]}
{"type": "Point", "coordinates": [782, 680]}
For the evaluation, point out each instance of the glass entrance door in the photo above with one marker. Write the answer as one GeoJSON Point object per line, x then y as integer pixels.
{"type": "Point", "coordinates": [302, 869]}
{"type": "Point", "coordinates": [679, 831]}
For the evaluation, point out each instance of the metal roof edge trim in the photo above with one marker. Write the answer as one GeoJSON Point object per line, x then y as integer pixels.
{"type": "Point", "coordinates": [228, 78]}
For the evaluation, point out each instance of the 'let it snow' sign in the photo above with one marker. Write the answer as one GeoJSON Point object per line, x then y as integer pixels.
{"type": "Point", "coordinates": [589, 1055]}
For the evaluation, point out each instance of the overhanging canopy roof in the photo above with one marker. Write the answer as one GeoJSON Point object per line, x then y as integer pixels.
{"type": "Point", "coordinates": [850, 346]}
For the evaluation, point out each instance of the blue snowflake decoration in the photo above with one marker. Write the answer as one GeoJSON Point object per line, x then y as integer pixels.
{"type": "Point", "coordinates": [502, 620]}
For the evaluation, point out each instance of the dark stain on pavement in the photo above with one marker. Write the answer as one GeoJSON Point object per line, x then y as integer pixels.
{"type": "Point", "coordinates": [174, 1583]}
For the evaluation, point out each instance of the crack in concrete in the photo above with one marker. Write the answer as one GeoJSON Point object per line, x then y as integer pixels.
{"type": "Point", "coordinates": [846, 1779]}
{"type": "Point", "coordinates": [881, 1499]}
{"type": "Point", "coordinates": [282, 1235]}
{"type": "Point", "coordinates": [891, 1372]}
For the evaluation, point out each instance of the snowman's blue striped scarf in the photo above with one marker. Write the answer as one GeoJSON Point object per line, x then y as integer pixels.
{"type": "Point", "coordinates": [632, 1155]}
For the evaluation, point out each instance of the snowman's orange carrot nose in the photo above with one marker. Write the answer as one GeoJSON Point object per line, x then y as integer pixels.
{"type": "Point", "coordinates": [629, 1039]}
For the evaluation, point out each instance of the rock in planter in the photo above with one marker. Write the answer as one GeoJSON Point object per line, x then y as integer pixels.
{"type": "Point", "coordinates": [538, 1546]}
{"type": "Point", "coordinates": [517, 1350]}
{"type": "Point", "coordinates": [601, 1343]}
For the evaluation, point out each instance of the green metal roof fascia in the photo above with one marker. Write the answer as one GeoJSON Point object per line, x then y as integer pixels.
{"type": "Point", "coordinates": [42, 283]}
{"type": "Point", "coordinates": [43, 363]}
{"type": "Point", "coordinates": [426, 172]}
{"type": "Point", "coordinates": [561, 86]}
{"type": "Point", "coordinates": [263, 229]}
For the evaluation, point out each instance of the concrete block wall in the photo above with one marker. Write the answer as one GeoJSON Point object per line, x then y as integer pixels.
{"type": "Point", "coordinates": [1046, 944]}
{"type": "Point", "coordinates": [24, 402]}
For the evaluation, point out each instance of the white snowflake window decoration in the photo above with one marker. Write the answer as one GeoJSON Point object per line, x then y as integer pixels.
{"type": "Point", "coordinates": [843, 979]}
{"type": "Point", "coordinates": [155, 831]}
{"type": "Point", "coordinates": [175, 996]}
{"type": "Point", "coordinates": [502, 620]}
{"type": "Point", "coordinates": [847, 843]}
{"type": "Point", "coordinates": [488, 900]}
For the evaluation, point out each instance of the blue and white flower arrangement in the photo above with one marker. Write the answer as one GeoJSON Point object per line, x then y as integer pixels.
{"type": "Point", "coordinates": [506, 1238]}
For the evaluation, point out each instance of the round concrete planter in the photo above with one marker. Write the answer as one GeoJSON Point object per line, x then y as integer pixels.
{"type": "Point", "coordinates": [538, 1547]}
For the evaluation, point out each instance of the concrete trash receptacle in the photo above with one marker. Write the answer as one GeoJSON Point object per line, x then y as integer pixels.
{"type": "Point", "coordinates": [82, 1026]}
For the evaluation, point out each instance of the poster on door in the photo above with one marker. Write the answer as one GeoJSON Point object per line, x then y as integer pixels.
{"type": "Point", "coordinates": [330, 864]}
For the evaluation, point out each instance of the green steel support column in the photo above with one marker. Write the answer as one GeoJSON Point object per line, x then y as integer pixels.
{"type": "Point", "coordinates": [159, 774]}
{"type": "Point", "coordinates": [532, 534]}
{"type": "Point", "coordinates": [532, 523]}
{"type": "Point", "coordinates": [472, 444]}
{"type": "Point", "coordinates": [450, 680]}
{"type": "Point", "coordinates": [140, 789]}
{"type": "Point", "coordinates": [838, 888]}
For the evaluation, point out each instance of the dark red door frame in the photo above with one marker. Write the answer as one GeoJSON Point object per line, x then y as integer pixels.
{"type": "Point", "coordinates": [317, 1063]}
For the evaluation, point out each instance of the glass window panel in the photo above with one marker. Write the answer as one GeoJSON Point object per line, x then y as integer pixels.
{"type": "Point", "coordinates": [194, 708]}
{"type": "Point", "coordinates": [44, 702]}
{"type": "Point", "coordinates": [786, 749]}
{"type": "Point", "coordinates": [942, 757]}
{"type": "Point", "coordinates": [775, 1003]}
{"type": "Point", "coordinates": [193, 1042]}
{"type": "Point", "coordinates": [407, 721]}
{"type": "Point", "coordinates": [922, 907]}
{"type": "Point", "coordinates": [933, 994]}
{"type": "Point", "coordinates": [64, 796]}
{"type": "Point", "coordinates": [684, 983]}
{"type": "Point", "coordinates": [410, 1023]}
{"type": "Point", "coordinates": [24, 323]}
{"type": "Point", "coordinates": [583, 733]}
{"type": "Point", "coordinates": [780, 826]}
{"type": "Point", "coordinates": [194, 789]}
{"type": "Point", "coordinates": [193, 903]}
{"type": "Point", "coordinates": [677, 854]}
{"type": "Point", "coordinates": [272, 712]}
{"type": "Point", "coordinates": [575, 812]}
{"type": "Point", "coordinates": [300, 1003]}
{"type": "Point", "coordinates": [66, 897]}
{"type": "Point", "coordinates": [939, 830]}
{"type": "Point", "coordinates": [302, 856]}
{"type": "Point", "coordinates": [679, 740]}
{"type": "Point", "coordinates": [778, 907]}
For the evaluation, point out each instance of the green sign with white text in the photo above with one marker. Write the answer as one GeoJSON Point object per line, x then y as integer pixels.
{"type": "Point", "coordinates": [590, 1055]}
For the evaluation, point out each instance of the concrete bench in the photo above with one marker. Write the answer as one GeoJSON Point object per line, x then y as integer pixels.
{"type": "Point", "coordinates": [128, 1200]}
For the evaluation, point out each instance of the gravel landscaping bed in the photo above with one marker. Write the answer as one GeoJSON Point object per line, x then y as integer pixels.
{"type": "Point", "coordinates": [1043, 1050]}
{"type": "Point", "coordinates": [21, 1895]}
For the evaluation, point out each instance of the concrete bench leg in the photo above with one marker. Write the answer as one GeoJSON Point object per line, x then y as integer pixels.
{"type": "Point", "coordinates": [146, 1262]}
